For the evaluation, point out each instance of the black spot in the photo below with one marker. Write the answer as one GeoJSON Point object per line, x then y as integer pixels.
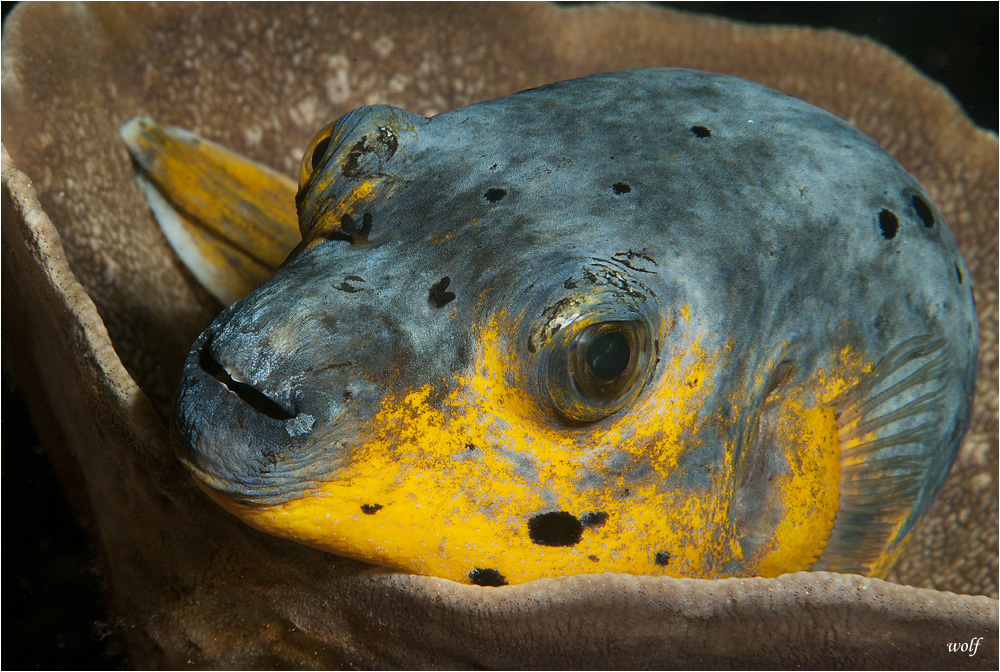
{"type": "Point", "coordinates": [347, 395]}
{"type": "Point", "coordinates": [889, 224]}
{"type": "Point", "coordinates": [701, 132]}
{"type": "Point", "coordinates": [487, 577]}
{"type": "Point", "coordinates": [386, 141]}
{"type": "Point", "coordinates": [345, 286]}
{"type": "Point", "coordinates": [620, 188]}
{"type": "Point", "coordinates": [569, 284]}
{"type": "Point", "coordinates": [958, 272]}
{"type": "Point", "coordinates": [593, 558]}
{"type": "Point", "coordinates": [594, 518]}
{"type": "Point", "coordinates": [559, 528]}
{"type": "Point", "coordinates": [494, 167]}
{"type": "Point", "coordinates": [662, 559]}
{"type": "Point", "coordinates": [369, 509]}
{"type": "Point", "coordinates": [923, 211]}
{"type": "Point", "coordinates": [495, 194]}
{"type": "Point", "coordinates": [351, 168]}
{"type": "Point", "coordinates": [439, 296]}
{"type": "Point", "coordinates": [354, 234]}
{"type": "Point", "coordinates": [470, 447]}
{"type": "Point", "coordinates": [319, 151]}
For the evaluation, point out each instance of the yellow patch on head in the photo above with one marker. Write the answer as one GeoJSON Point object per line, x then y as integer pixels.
{"type": "Point", "coordinates": [351, 202]}
{"type": "Point", "coordinates": [447, 482]}
{"type": "Point", "coordinates": [810, 493]}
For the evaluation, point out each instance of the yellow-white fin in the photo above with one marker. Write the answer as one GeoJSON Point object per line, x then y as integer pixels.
{"type": "Point", "coordinates": [222, 269]}
{"type": "Point", "coordinates": [232, 221]}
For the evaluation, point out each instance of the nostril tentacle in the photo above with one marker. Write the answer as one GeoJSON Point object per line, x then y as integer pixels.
{"type": "Point", "coordinates": [254, 398]}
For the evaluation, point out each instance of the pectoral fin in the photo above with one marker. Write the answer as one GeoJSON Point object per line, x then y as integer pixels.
{"type": "Point", "coordinates": [230, 220]}
{"type": "Point", "coordinates": [893, 431]}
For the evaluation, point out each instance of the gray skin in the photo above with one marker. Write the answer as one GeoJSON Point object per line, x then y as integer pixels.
{"type": "Point", "coordinates": [789, 234]}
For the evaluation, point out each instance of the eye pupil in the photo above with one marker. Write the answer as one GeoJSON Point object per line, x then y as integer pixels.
{"type": "Point", "coordinates": [608, 355]}
{"type": "Point", "coordinates": [319, 151]}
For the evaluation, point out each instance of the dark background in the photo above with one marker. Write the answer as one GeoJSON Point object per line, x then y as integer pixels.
{"type": "Point", "coordinates": [53, 613]}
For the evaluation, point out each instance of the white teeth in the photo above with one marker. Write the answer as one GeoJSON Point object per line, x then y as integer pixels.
{"type": "Point", "coordinates": [234, 374]}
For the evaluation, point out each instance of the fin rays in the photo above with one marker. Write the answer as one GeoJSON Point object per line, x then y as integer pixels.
{"type": "Point", "coordinates": [890, 427]}
{"type": "Point", "coordinates": [928, 403]}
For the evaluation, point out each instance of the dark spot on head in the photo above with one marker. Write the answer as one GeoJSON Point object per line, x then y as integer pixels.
{"type": "Point", "coordinates": [594, 518]}
{"type": "Point", "coordinates": [701, 132]}
{"type": "Point", "coordinates": [369, 509]}
{"type": "Point", "coordinates": [889, 224]}
{"type": "Point", "coordinates": [923, 211]}
{"type": "Point", "coordinates": [439, 295]}
{"type": "Point", "coordinates": [470, 446]}
{"type": "Point", "coordinates": [487, 577]}
{"type": "Point", "coordinates": [351, 168]}
{"type": "Point", "coordinates": [662, 559]}
{"type": "Point", "coordinates": [347, 395]}
{"type": "Point", "coordinates": [495, 194]}
{"type": "Point", "coordinates": [319, 151]}
{"type": "Point", "coordinates": [559, 528]}
{"type": "Point", "coordinates": [345, 286]}
{"type": "Point", "coordinates": [958, 272]}
{"type": "Point", "coordinates": [620, 188]}
{"type": "Point", "coordinates": [352, 232]}
{"type": "Point", "coordinates": [593, 558]}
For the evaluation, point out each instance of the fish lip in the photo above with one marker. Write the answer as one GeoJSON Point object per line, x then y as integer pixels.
{"type": "Point", "coordinates": [247, 456]}
{"type": "Point", "coordinates": [227, 375]}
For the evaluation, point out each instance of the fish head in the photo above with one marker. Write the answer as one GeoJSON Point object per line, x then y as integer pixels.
{"type": "Point", "coordinates": [657, 322]}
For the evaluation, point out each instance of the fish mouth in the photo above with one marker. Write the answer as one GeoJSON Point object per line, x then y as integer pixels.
{"type": "Point", "coordinates": [259, 401]}
{"type": "Point", "coordinates": [256, 453]}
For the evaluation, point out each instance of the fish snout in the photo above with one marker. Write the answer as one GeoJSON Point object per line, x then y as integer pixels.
{"type": "Point", "coordinates": [281, 390]}
{"type": "Point", "coordinates": [247, 424]}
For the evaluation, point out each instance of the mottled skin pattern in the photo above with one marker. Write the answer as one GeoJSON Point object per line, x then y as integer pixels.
{"type": "Point", "coordinates": [791, 289]}
{"type": "Point", "coordinates": [106, 314]}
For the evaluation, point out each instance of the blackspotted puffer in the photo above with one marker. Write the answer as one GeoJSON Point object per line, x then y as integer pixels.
{"type": "Point", "coordinates": [658, 322]}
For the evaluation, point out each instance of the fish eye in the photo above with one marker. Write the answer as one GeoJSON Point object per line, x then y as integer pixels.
{"type": "Point", "coordinates": [599, 370]}
{"type": "Point", "coordinates": [312, 157]}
